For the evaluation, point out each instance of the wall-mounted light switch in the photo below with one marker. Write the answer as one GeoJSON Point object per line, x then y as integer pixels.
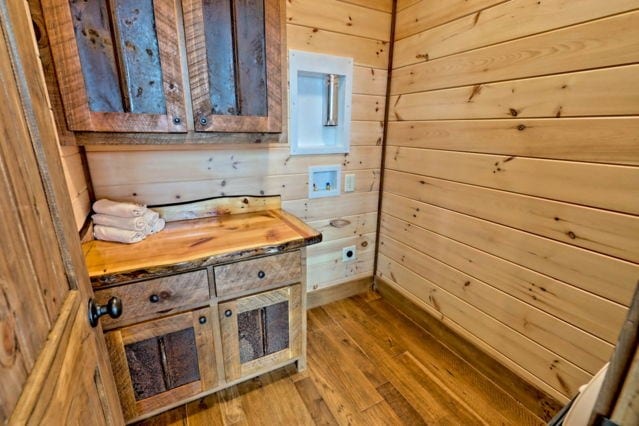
{"type": "Point", "coordinates": [349, 183]}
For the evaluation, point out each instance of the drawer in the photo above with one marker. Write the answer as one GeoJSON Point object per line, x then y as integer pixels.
{"type": "Point", "coordinates": [150, 299]}
{"type": "Point", "coordinates": [258, 274]}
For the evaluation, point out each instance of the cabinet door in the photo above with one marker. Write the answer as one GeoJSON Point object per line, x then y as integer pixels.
{"type": "Point", "coordinates": [117, 64]}
{"type": "Point", "coordinates": [234, 57]}
{"type": "Point", "coordinates": [163, 361]}
{"type": "Point", "coordinates": [261, 331]}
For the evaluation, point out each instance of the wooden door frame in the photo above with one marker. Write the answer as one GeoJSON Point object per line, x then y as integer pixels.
{"type": "Point", "coordinates": [16, 25]}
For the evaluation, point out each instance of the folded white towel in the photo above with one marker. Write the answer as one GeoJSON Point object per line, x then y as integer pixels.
{"type": "Point", "coordinates": [150, 217]}
{"type": "Point", "coordinates": [129, 223]}
{"type": "Point", "coordinates": [113, 208]}
{"type": "Point", "coordinates": [156, 227]}
{"type": "Point", "coordinates": [108, 233]}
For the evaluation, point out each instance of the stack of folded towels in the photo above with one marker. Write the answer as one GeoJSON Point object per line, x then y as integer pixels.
{"type": "Point", "coordinates": [124, 222]}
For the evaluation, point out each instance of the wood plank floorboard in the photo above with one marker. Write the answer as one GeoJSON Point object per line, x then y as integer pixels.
{"type": "Point", "coordinates": [367, 365]}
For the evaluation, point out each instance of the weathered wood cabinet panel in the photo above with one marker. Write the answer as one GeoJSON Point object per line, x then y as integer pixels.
{"type": "Point", "coordinates": [258, 274]}
{"type": "Point", "coordinates": [260, 331]}
{"type": "Point", "coordinates": [161, 296]}
{"type": "Point", "coordinates": [118, 64]}
{"type": "Point", "coordinates": [233, 49]}
{"type": "Point", "coordinates": [163, 361]}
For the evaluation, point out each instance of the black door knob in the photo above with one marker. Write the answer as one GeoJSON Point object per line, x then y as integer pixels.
{"type": "Point", "coordinates": [228, 313]}
{"type": "Point", "coordinates": [113, 308]}
{"type": "Point", "coordinates": [261, 274]}
{"type": "Point", "coordinates": [154, 298]}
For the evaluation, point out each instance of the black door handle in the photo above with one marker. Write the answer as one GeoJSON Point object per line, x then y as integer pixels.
{"type": "Point", "coordinates": [113, 308]}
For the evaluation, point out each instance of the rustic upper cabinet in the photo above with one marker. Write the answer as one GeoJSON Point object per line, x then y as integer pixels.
{"type": "Point", "coordinates": [119, 64]}
{"type": "Point", "coordinates": [233, 50]}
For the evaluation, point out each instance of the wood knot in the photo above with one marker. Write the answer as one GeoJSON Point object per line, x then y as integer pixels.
{"type": "Point", "coordinates": [339, 223]}
{"type": "Point", "coordinates": [8, 340]}
{"type": "Point", "coordinates": [513, 112]}
{"type": "Point", "coordinates": [521, 127]}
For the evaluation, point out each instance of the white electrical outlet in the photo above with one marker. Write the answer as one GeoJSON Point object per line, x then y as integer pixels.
{"type": "Point", "coordinates": [349, 183]}
{"type": "Point", "coordinates": [349, 253]}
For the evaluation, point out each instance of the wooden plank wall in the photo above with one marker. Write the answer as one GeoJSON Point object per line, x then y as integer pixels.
{"type": "Point", "coordinates": [511, 188]}
{"type": "Point", "coordinates": [76, 174]}
{"type": "Point", "coordinates": [73, 162]}
{"type": "Point", "coordinates": [159, 175]}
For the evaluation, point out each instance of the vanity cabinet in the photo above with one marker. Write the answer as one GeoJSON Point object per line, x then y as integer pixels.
{"type": "Point", "coordinates": [162, 348]}
{"type": "Point", "coordinates": [207, 303]}
{"type": "Point", "coordinates": [119, 64]}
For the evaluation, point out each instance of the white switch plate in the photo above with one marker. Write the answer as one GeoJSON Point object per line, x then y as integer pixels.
{"type": "Point", "coordinates": [349, 183]}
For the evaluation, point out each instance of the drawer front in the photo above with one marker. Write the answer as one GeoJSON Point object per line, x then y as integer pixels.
{"type": "Point", "coordinates": [150, 299]}
{"type": "Point", "coordinates": [258, 274]}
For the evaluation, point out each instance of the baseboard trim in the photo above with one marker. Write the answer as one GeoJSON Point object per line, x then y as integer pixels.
{"type": "Point", "coordinates": [534, 399]}
{"type": "Point", "coordinates": [338, 292]}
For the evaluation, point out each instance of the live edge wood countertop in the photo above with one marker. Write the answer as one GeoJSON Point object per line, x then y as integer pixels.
{"type": "Point", "coordinates": [226, 235]}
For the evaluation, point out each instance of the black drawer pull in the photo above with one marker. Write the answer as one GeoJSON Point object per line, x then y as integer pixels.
{"type": "Point", "coordinates": [202, 320]}
{"type": "Point", "coordinates": [154, 298]}
{"type": "Point", "coordinates": [228, 313]}
{"type": "Point", "coordinates": [261, 274]}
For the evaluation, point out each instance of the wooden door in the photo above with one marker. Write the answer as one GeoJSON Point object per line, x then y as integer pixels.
{"type": "Point", "coordinates": [234, 56]}
{"type": "Point", "coordinates": [53, 365]}
{"type": "Point", "coordinates": [118, 64]}
{"type": "Point", "coordinates": [261, 331]}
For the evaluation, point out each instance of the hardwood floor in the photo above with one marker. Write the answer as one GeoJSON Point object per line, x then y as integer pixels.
{"type": "Point", "coordinates": [367, 365]}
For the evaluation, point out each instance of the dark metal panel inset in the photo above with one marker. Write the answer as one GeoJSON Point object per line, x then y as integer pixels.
{"type": "Point", "coordinates": [182, 361]}
{"type": "Point", "coordinates": [145, 367]}
{"type": "Point", "coordinates": [140, 56]}
{"type": "Point", "coordinates": [251, 335]}
{"type": "Point", "coordinates": [276, 322]}
{"type": "Point", "coordinates": [95, 47]}
{"type": "Point", "coordinates": [162, 363]}
{"type": "Point", "coordinates": [250, 41]}
{"type": "Point", "coordinates": [218, 33]}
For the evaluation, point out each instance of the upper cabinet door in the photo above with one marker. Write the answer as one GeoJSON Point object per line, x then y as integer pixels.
{"type": "Point", "coordinates": [118, 64]}
{"type": "Point", "coordinates": [234, 55]}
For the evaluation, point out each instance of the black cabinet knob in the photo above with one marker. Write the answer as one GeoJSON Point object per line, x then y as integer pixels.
{"type": "Point", "coordinates": [113, 308]}
{"type": "Point", "coordinates": [228, 313]}
{"type": "Point", "coordinates": [154, 298]}
{"type": "Point", "coordinates": [202, 320]}
{"type": "Point", "coordinates": [261, 274]}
